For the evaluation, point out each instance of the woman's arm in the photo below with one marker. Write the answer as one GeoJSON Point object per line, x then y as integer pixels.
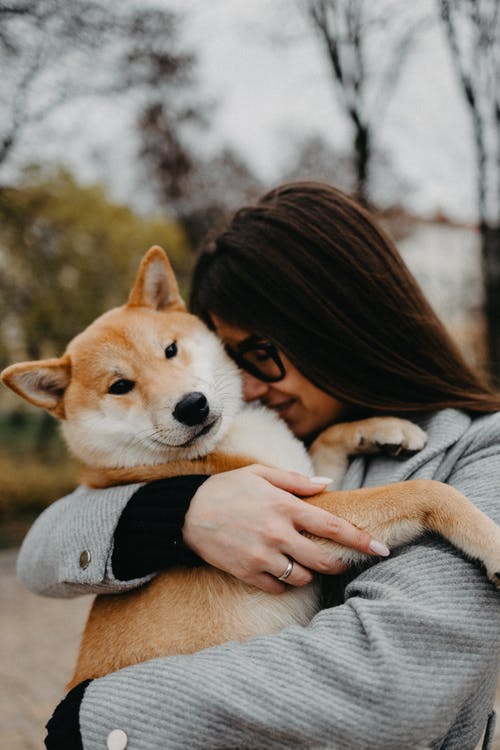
{"type": "Point", "coordinates": [392, 667]}
{"type": "Point", "coordinates": [107, 541]}
{"type": "Point", "coordinates": [411, 657]}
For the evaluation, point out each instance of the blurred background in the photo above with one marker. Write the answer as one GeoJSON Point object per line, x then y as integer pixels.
{"type": "Point", "coordinates": [132, 122]}
{"type": "Point", "coordinates": [124, 124]}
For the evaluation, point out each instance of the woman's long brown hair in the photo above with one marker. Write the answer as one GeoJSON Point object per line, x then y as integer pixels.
{"type": "Point", "coordinates": [309, 269]}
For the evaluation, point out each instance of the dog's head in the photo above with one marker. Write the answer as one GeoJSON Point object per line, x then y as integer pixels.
{"type": "Point", "coordinates": [145, 383]}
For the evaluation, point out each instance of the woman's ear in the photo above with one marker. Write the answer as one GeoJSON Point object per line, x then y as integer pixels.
{"type": "Point", "coordinates": [42, 383]}
{"type": "Point", "coordinates": [156, 286]}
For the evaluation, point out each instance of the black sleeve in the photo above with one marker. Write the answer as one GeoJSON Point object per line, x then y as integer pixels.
{"type": "Point", "coordinates": [63, 729]}
{"type": "Point", "coordinates": [148, 536]}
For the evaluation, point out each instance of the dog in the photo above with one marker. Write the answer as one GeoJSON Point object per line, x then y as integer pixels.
{"type": "Point", "coordinates": [147, 392]}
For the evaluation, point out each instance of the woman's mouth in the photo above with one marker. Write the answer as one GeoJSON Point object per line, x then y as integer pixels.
{"type": "Point", "coordinates": [282, 408]}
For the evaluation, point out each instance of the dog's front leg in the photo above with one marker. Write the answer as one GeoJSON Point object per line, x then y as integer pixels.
{"type": "Point", "coordinates": [398, 513]}
{"type": "Point", "coordinates": [331, 450]}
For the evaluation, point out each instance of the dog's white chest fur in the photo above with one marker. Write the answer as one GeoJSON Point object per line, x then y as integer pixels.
{"type": "Point", "coordinates": [259, 433]}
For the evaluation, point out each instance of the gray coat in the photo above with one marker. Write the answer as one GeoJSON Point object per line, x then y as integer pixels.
{"type": "Point", "coordinates": [409, 660]}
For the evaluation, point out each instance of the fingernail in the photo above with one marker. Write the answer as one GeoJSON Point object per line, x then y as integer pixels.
{"type": "Point", "coordinates": [321, 480]}
{"type": "Point", "coordinates": [379, 548]}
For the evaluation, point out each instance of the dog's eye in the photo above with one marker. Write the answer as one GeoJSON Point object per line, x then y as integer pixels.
{"type": "Point", "coordinates": [171, 350]}
{"type": "Point", "coordinates": [119, 387]}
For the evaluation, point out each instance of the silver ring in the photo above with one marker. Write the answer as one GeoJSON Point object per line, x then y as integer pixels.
{"type": "Point", "coordinates": [287, 572]}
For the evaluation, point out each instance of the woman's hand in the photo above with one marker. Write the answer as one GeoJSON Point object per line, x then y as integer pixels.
{"type": "Point", "coordinates": [248, 523]}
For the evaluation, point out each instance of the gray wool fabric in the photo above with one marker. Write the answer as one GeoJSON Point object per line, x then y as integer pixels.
{"type": "Point", "coordinates": [409, 660]}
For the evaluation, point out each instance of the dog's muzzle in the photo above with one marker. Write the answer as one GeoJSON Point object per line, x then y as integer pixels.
{"type": "Point", "coordinates": [192, 409]}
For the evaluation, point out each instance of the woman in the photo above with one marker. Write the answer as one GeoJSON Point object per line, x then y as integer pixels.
{"type": "Point", "coordinates": [318, 309]}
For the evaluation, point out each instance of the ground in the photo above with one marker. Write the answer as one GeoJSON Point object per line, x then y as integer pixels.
{"type": "Point", "coordinates": [38, 646]}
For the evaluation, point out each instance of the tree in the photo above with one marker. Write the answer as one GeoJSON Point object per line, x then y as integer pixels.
{"type": "Point", "coordinates": [218, 185]}
{"type": "Point", "coordinates": [52, 51]}
{"type": "Point", "coordinates": [198, 190]}
{"type": "Point", "coordinates": [472, 29]}
{"type": "Point", "coordinates": [133, 55]}
{"type": "Point", "coordinates": [366, 45]}
{"type": "Point", "coordinates": [67, 255]}
{"type": "Point", "coordinates": [313, 158]}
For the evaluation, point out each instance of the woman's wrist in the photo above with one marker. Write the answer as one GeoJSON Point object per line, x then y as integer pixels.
{"type": "Point", "coordinates": [148, 536]}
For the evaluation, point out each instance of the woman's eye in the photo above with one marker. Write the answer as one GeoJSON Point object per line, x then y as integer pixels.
{"type": "Point", "coordinates": [171, 350]}
{"type": "Point", "coordinates": [119, 387]}
{"type": "Point", "coordinates": [261, 356]}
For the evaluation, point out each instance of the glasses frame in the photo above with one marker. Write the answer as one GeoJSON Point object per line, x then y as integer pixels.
{"type": "Point", "coordinates": [238, 356]}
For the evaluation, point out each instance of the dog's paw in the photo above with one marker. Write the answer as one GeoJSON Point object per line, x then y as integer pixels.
{"type": "Point", "coordinates": [390, 435]}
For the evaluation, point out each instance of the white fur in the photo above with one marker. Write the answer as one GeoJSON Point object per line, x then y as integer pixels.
{"type": "Point", "coordinates": [255, 612]}
{"type": "Point", "coordinates": [260, 433]}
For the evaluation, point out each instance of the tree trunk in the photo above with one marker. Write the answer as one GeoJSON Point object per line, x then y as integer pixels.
{"type": "Point", "coordinates": [490, 251]}
{"type": "Point", "coordinates": [5, 147]}
{"type": "Point", "coordinates": [362, 150]}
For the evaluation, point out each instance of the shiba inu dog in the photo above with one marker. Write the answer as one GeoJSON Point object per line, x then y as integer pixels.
{"type": "Point", "coordinates": [146, 392]}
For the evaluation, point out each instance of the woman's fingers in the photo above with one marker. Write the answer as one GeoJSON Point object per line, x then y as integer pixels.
{"type": "Point", "coordinates": [291, 481]}
{"type": "Point", "coordinates": [296, 574]}
{"type": "Point", "coordinates": [271, 583]}
{"type": "Point", "coordinates": [248, 523]}
{"type": "Point", "coordinates": [266, 582]}
{"type": "Point", "coordinates": [323, 524]}
{"type": "Point", "coordinates": [316, 520]}
{"type": "Point", "coordinates": [312, 556]}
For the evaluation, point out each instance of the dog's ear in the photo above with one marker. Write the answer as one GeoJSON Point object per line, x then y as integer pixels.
{"type": "Point", "coordinates": [156, 285]}
{"type": "Point", "coordinates": [42, 383]}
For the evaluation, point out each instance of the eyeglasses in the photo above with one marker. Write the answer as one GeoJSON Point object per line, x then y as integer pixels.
{"type": "Point", "coordinates": [259, 358]}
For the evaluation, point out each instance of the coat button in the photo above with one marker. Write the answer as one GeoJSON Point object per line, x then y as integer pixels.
{"type": "Point", "coordinates": [117, 740]}
{"type": "Point", "coordinates": [85, 559]}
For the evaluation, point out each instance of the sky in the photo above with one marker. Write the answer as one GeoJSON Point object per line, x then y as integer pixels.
{"type": "Point", "coordinates": [274, 87]}
{"type": "Point", "coordinates": [264, 69]}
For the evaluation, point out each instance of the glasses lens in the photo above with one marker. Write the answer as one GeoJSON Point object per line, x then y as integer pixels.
{"type": "Point", "coordinates": [263, 360]}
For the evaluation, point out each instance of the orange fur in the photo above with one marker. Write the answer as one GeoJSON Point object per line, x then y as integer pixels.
{"type": "Point", "coordinates": [211, 464]}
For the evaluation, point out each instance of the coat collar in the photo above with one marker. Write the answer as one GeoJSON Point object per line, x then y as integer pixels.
{"type": "Point", "coordinates": [443, 429]}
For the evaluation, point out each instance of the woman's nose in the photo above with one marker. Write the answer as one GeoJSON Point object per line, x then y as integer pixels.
{"type": "Point", "coordinates": [253, 388]}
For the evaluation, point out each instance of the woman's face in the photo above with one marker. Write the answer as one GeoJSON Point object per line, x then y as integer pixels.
{"type": "Point", "coordinates": [303, 406]}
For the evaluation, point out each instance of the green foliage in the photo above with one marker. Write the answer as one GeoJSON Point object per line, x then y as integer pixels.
{"type": "Point", "coordinates": [35, 470]}
{"type": "Point", "coordinates": [67, 254]}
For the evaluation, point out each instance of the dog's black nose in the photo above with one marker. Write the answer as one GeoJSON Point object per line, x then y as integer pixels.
{"type": "Point", "coordinates": [192, 409]}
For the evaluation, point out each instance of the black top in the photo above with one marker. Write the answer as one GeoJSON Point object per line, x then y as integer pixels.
{"type": "Point", "coordinates": [148, 536]}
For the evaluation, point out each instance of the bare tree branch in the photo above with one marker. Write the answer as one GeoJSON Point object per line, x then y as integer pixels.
{"type": "Point", "coordinates": [345, 29]}
{"type": "Point", "coordinates": [16, 10]}
{"type": "Point", "coordinates": [474, 53]}
{"type": "Point", "coordinates": [392, 72]}
{"type": "Point", "coordinates": [471, 95]}
{"type": "Point", "coordinates": [50, 40]}
{"type": "Point", "coordinates": [18, 119]}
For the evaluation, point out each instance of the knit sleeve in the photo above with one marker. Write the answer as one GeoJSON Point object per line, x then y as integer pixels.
{"type": "Point", "coordinates": [410, 659]}
{"type": "Point", "coordinates": [71, 547]}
